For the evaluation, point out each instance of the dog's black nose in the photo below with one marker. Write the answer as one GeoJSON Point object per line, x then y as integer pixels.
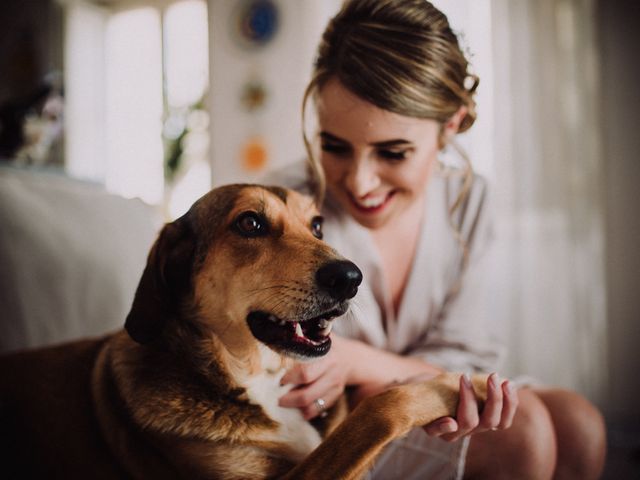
{"type": "Point", "coordinates": [340, 279]}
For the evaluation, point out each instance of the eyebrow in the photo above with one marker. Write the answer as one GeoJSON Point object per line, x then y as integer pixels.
{"type": "Point", "coordinates": [279, 192]}
{"type": "Point", "coordinates": [384, 144]}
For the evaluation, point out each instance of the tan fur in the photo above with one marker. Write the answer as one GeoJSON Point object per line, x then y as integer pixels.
{"type": "Point", "coordinates": [195, 394]}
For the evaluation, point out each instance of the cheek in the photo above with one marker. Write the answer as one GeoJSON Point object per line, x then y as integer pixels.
{"type": "Point", "coordinates": [414, 176]}
{"type": "Point", "coordinates": [333, 169]}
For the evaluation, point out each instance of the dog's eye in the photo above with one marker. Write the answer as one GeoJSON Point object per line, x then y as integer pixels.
{"type": "Point", "coordinates": [316, 227]}
{"type": "Point", "coordinates": [251, 224]}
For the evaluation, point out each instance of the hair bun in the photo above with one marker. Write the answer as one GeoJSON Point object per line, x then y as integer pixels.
{"type": "Point", "coordinates": [471, 83]}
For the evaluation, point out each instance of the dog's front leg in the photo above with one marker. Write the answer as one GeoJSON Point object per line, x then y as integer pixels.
{"type": "Point", "coordinates": [353, 446]}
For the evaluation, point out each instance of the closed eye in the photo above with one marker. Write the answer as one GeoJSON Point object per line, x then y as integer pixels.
{"type": "Point", "coordinates": [336, 149]}
{"type": "Point", "coordinates": [393, 155]}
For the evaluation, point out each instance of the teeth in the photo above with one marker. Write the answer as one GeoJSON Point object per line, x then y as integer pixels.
{"type": "Point", "coordinates": [323, 325]}
{"type": "Point", "coordinates": [326, 330]}
{"type": "Point", "coordinates": [371, 202]}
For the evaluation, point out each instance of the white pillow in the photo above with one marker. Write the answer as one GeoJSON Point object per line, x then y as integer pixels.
{"type": "Point", "coordinates": [71, 256]}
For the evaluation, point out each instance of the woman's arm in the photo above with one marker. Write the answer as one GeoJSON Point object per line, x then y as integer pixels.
{"type": "Point", "coordinates": [370, 370]}
{"type": "Point", "coordinates": [349, 363]}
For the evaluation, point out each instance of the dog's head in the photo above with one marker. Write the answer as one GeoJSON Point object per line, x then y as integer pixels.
{"type": "Point", "coordinates": [245, 263]}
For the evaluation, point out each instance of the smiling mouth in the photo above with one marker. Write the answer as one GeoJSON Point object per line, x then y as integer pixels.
{"type": "Point", "coordinates": [371, 206]}
{"type": "Point", "coordinates": [301, 339]}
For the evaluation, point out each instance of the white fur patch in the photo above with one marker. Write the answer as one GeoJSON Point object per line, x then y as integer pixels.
{"type": "Point", "coordinates": [265, 390]}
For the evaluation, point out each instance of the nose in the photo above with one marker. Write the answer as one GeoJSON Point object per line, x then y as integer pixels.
{"type": "Point", "coordinates": [362, 177]}
{"type": "Point", "coordinates": [340, 279]}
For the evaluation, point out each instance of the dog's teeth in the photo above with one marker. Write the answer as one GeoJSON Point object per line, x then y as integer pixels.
{"type": "Point", "coordinates": [282, 323]}
{"type": "Point", "coordinates": [272, 318]}
{"type": "Point", "coordinates": [299, 331]}
{"type": "Point", "coordinates": [327, 330]}
{"type": "Point", "coordinates": [323, 323]}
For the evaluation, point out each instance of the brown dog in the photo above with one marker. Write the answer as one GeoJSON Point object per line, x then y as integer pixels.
{"type": "Point", "coordinates": [234, 293]}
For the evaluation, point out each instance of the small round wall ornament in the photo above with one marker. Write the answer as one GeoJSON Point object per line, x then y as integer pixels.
{"type": "Point", "coordinates": [254, 154]}
{"type": "Point", "coordinates": [255, 23]}
{"type": "Point", "coordinates": [254, 96]}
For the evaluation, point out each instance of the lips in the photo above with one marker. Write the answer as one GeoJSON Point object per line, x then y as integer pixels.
{"type": "Point", "coordinates": [303, 338]}
{"type": "Point", "coordinates": [371, 204]}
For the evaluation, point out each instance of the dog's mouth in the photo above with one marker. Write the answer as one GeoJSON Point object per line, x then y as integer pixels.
{"type": "Point", "coordinates": [297, 338]}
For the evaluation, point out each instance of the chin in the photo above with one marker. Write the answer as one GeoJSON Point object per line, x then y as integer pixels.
{"type": "Point", "coordinates": [370, 222]}
{"type": "Point", "coordinates": [371, 218]}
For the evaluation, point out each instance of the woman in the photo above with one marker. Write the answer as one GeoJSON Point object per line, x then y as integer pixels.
{"type": "Point", "coordinates": [391, 89]}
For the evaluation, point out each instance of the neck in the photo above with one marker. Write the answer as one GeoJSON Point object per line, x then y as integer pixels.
{"type": "Point", "coordinates": [405, 225]}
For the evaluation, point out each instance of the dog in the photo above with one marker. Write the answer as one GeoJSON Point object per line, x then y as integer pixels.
{"type": "Point", "coordinates": [233, 294]}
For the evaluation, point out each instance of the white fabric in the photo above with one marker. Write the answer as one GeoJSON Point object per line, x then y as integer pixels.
{"type": "Point", "coordinates": [419, 457]}
{"type": "Point", "coordinates": [71, 256]}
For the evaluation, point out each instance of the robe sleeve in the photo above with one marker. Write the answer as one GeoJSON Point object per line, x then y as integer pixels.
{"type": "Point", "coordinates": [464, 334]}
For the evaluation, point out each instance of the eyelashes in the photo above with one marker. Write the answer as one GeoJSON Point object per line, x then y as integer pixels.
{"type": "Point", "coordinates": [394, 155]}
{"type": "Point", "coordinates": [385, 154]}
{"type": "Point", "coordinates": [335, 149]}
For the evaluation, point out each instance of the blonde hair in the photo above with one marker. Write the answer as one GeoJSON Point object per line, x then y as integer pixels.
{"type": "Point", "coordinates": [399, 55]}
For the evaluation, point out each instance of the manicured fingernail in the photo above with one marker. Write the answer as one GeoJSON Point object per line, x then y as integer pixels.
{"type": "Point", "coordinates": [467, 380]}
{"type": "Point", "coordinates": [493, 378]}
{"type": "Point", "coordinates": [448, 428]}
{"type": "Point", "coordinates": [510, 387]}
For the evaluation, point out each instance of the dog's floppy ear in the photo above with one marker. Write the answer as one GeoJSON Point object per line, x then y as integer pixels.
{"type": "Point", "coordinates": [165, 282]}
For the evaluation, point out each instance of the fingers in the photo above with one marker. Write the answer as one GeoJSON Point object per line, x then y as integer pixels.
{"type": "Point", "coordinates": [497, 414]}
{"type": "Point", "coordinates": [303, 373]}
{"type": "Point", "coordinates": [317, 388]}
{"type": "Point", "coordinates": [510, 401]}
{"type": "Point", "coordinates": [493, 408]}
{"type": "Point", "coordinates": [312, 399]}
{"type": "Point", "coordinates": [441, 427]}
{"type": "Point", "coordinates": [467, 416]}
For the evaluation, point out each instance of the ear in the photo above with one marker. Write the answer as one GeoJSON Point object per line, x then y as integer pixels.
{"type": "Point", "coordinates": [451, 126]}
{"type": "Point", "coordinates": [165, 282]}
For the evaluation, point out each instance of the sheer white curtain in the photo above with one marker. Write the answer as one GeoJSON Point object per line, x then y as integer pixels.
{"type": "Point", "coordinates": [548, 166]}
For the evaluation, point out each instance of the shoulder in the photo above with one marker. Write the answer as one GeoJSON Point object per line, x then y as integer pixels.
{"type": "Point", "coordinates": [294, 176]}
{"type": "Point", "coordinates": [468, 201]}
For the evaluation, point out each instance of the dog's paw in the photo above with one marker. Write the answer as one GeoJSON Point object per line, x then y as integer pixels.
{"type": "Point", "coordinates": [415, 404]}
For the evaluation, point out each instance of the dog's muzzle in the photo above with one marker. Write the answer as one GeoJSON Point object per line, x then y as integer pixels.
{"type": "Point", "coordinates": [336, 283]}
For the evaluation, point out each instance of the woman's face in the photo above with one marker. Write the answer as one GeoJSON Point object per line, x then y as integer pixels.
{"type": "Point", "coordinates": [377, 163]}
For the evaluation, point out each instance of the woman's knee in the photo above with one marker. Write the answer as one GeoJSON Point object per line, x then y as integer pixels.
{"type": "Point", "coordinates": [526, 450]}
{"type": "Point", "coordinates": [580, 432]}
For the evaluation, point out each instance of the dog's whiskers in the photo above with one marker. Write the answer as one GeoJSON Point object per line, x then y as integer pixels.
{"type": "Point", "coordinates": [267, 288]}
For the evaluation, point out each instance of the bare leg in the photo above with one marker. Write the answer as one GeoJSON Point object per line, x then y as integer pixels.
{"type": "Point", "coordinates": [556, 434]}
{"type": "Point", "coordinates": [527, 450]}
{"type": "Point", "coordinates": [580, 433]}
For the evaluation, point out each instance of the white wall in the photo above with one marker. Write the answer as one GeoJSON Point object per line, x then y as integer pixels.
{"type": "Point", "coordinates": [283, 66]}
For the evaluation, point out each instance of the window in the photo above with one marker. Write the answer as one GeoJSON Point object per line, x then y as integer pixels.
{"type": "Point", "coordinates": [135, 81]}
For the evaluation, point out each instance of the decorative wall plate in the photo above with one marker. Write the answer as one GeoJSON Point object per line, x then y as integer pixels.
{"type": "Point", "coordinates": [255, 23]}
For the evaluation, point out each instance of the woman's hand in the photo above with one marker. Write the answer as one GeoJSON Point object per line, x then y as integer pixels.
{"type": "Point", "coordinates": [497, 414]}
{"type": "Point", "coordinates": [349, 362]}
{"type": "Point", "coordinates": [318, 384]}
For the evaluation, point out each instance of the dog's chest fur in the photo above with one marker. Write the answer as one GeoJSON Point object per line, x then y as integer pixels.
{"type": "Point", "coordinates": [265, 390]}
